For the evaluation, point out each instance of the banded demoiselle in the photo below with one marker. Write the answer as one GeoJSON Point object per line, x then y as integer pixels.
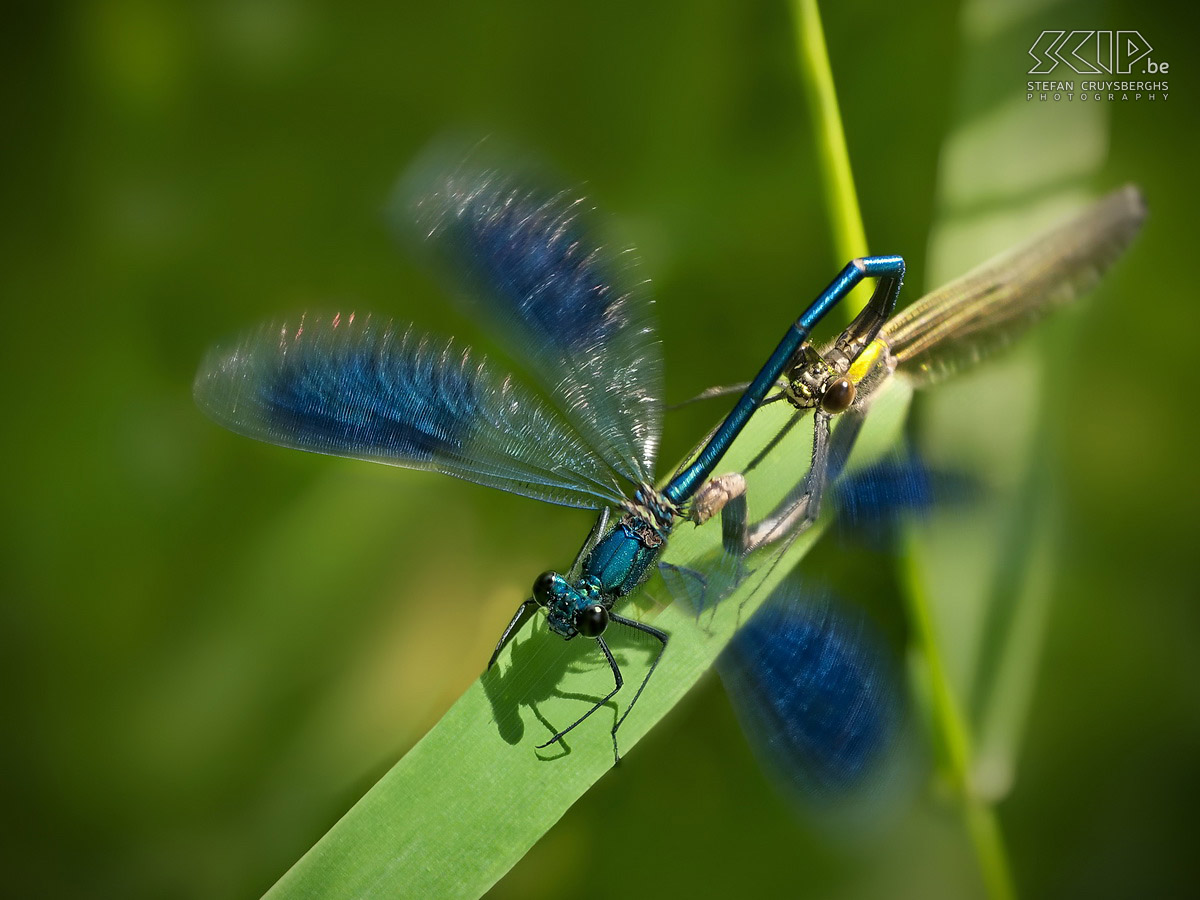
{"type": "Point", "coordinates": [356, 386]}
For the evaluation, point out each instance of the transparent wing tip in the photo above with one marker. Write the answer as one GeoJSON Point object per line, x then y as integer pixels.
{"type": "Point", "coordinates": [446, 174]}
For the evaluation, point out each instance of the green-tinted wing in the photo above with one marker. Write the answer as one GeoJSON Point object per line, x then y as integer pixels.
{"type": "Point", "coordinates": [995, 303]}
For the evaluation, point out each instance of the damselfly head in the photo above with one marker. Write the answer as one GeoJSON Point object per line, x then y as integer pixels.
{"type": "Point", "coordinates": [820, 380]}
{"type": "Point", "coordinates": [571, 608]}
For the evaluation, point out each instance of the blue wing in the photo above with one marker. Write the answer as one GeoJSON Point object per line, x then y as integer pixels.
{"type": "Point", "coordinates": [871, 502]}
{"type": "Point", "coordinates": [569, 311]}
{"type": "Point", "coordinates": [817, 694]}
{"type": "Point", "coordinates": [362, 388]}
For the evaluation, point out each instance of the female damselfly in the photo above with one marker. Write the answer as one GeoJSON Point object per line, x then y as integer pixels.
{"type": "Point", "coordinates": [946, 330]}
{"type": "Point", "coordinates": [817, 694]}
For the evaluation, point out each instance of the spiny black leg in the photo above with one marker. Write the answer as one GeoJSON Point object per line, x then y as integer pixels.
{"type": "Point", "coordinates": [733, 526]}
{"type": "Point", "coordinates": [721, 390]}
{"type": "Point", "coordinates": [654, 632]}
{"type": "Point", "coordinates": [616, 675]}
{"type": "Point", "coordinates": [735, 542]}
{"type": "Point", "coordinates": [849, 427]}
{"type": "Point", "coordinates": [800, 508]}
{"type": "Point", "coordinates": [524, 611]}
{"type": "Point", "coordinates": [538, 715]}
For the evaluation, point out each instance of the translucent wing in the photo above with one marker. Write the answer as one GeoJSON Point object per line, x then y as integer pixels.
{"type": "Point", "coordinates": [817, 689]}
{"type": "Point", "coordinates": [357, 387]}
{"type": "Point", "coordinates": [869, 503]}
{"type": "Point", "coordinates": [996, 302]}
{"type": "Point", "coordinates": [527, 265]}
{"type": "Point", "coordinates": [817, 693]}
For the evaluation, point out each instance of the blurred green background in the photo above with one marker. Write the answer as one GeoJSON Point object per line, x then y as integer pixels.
{"type": "Point", "coordinates": [213, 647]}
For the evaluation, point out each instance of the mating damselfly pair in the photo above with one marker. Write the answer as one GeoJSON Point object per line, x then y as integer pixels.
{"type": "Point", "coordinates": [580, 326]}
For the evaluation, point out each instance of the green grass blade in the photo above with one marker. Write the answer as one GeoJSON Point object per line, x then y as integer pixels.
{"type": "Point", "coordinates": [474, 794]}
{"type": "Point", "coordinates": [949, 725]}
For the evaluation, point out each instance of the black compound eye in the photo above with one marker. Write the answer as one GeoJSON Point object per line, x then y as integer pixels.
{"type": "Point", "coordinates": [838, 396]}
{"type": "Point", "coordinates": [543, 588]}
{"type": "Point", "coordinates": [591, 620]}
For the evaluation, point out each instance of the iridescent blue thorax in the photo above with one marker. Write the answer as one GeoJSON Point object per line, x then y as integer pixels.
{"type": "Point", "coordinates": [619, 562]}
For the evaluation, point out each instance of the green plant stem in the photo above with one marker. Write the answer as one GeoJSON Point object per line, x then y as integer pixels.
{"type": "Point", "coordinates": [849, 236]}
{"type": "Point", "coordinates": [850, 241]}
{"type": "Point", "coordinates": [950, 727]}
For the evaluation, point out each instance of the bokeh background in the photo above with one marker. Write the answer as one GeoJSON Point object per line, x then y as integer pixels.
{"type": "Point", "coordinates": [213, 647]}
